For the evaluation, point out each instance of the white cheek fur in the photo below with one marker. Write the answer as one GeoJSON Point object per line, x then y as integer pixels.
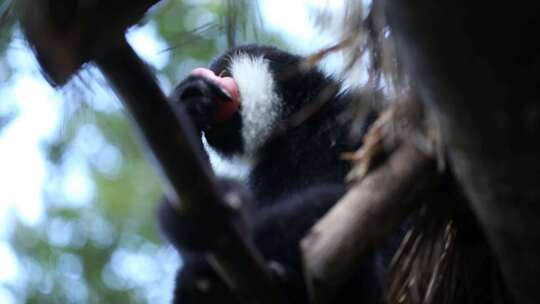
{"type": "Point", "coordinates": [260, 104]}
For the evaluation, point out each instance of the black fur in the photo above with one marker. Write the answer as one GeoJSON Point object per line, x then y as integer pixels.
{"type": "Point", "coordinates": [297, 177]}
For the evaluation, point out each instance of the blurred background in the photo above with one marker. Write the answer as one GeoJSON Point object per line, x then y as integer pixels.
{"type": "Point", "coordinates": [77, 194]}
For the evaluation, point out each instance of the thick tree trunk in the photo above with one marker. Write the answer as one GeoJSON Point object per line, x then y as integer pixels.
{"type": "Point", "coordinates": [477, 65]}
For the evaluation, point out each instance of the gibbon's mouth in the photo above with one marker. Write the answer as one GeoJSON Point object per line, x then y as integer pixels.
{"type": "Point", "coordinates": [229, 104]}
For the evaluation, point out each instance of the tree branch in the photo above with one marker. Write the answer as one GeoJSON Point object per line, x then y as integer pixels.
{"type": "Point", "coordinates": [370, 211]}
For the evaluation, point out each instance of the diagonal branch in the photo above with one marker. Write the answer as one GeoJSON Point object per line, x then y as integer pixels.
{"type": "Point", "coordinates": [371, 210]}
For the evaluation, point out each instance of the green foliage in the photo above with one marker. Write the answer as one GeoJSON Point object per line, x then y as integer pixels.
{"type": "Point", "coordinates": [6, 33]}
{"type": "Point", "coordinates": [6, 23]}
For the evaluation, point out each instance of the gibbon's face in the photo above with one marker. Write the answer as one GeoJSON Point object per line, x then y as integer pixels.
{"type": "Point", "coordinates": [255, 80]}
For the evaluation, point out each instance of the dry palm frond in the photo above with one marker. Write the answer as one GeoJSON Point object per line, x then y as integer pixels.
{"type": "Point", "coordinates": [445, 259]}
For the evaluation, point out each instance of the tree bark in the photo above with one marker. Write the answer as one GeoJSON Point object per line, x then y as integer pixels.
{"type": "Point", "coordinates": [477, 65]}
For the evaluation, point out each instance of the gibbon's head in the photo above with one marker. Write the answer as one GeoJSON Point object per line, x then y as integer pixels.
{"type": "Point", "coordinates": [265, 84]}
